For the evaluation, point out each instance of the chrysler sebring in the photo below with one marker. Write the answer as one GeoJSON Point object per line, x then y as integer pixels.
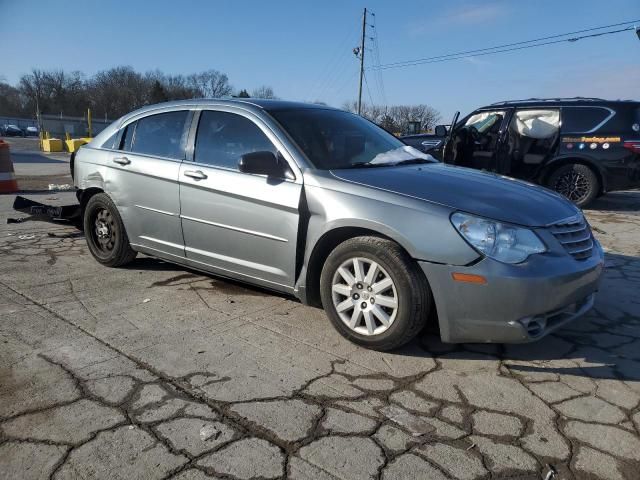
{"type": "Point", "coordinates": [326, 206]}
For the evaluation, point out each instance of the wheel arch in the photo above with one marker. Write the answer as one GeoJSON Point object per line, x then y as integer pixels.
{"type": "Point", "coordinates": [558, 162]}
{"type": "Point", "coordinates": [324, 246]}
{"type": "Point", "coordinates": [85, 195]}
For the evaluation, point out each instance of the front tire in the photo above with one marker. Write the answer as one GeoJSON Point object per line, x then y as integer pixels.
{"type": "Point", "coordinates": [106, 236]}
{"type": "Point", "coordinates": [575, 181]}
{"type": "Point", "coordinates": [374, 293]}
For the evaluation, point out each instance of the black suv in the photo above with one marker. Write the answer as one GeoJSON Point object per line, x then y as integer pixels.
{"type": "Point", "coordinates": [580, 147]}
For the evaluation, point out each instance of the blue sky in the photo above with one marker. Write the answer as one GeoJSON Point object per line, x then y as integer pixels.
{"type": "Point", "coordinates": [303, 48]}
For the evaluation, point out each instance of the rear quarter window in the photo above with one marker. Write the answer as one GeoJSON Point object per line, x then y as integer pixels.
{"type": "Point", "coordinates": [583, 119]}
{"type": "Point", "coordinates": [111, 141]}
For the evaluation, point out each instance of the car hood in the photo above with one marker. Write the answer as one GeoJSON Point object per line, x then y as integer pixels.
{"type": "Point", "coordinates": [485, 194]}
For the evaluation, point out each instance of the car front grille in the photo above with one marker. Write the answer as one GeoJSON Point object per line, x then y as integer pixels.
{"type": "Point", "coordinates": [575, 235]}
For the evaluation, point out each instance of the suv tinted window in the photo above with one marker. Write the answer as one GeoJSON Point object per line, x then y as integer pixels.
{"type": "Point", "coordinates": [582, 119]}
{"type": "Point", "coordinates": [160, 135]}
{"type": "Point", "coordinates": [222, 138]}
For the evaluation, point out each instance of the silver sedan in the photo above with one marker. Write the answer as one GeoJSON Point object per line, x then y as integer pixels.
{"type": "Point", "coordinates": [324, 205]}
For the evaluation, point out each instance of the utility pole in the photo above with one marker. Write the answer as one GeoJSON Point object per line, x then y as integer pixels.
{"type": "Point", "coordinates": [364, 27]}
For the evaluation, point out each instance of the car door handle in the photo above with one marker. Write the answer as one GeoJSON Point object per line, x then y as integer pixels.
{"type": "Point", "coordinates": [195, 174]}
{"type": "Point", "coordinates": [122, 160]}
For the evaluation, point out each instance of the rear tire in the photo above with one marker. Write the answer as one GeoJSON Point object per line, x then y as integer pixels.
{"type": "Point", "coordinates": [106, 236]}
{"type": "Point", "coordinates": [575, 181]}
{"type": "Point", "coordinates": [374, 293]}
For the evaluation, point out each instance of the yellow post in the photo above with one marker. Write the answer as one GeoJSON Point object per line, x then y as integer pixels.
{"type": "Point", "coordinates": [89, 121]}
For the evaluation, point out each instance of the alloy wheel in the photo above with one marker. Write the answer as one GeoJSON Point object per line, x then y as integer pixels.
{"type": "Point", "coordinates": [365, 296]}
{"type": "Point", "coordinates": [573, 185]}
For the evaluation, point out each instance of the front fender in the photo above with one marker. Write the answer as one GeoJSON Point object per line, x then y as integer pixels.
{"type": "Point", "coordinates": [421, 228]}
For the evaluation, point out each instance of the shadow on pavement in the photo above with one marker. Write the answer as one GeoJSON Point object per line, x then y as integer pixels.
{"type": "Point", "coordinates": [33, 157]}
{"type": "Point", "coordinates": [627, 201]}
{"type": "Point", "coordinates": [605, 344]}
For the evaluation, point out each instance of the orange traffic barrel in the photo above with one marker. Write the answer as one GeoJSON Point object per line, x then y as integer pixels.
{"type": "Point", "coordinates": [8, 183]}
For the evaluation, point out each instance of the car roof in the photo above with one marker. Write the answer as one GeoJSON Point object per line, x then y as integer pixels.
{"type": "Point", "coordinates": [560, 102]}
{"type": "Point", "coordinates": [248, 103]}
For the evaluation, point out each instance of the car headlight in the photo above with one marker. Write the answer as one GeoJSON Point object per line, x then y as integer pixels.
{"type": "Point", "coordinates": [500, 241]}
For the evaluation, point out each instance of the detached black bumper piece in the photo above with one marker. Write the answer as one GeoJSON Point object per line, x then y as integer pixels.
{"type": "Point", "coordinates": [48, 213]}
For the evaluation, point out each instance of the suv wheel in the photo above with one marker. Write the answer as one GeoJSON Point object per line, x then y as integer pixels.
{"type": "Point", "coordinates": [105, 233]}
{"type": "Point", "coordinates": [575, 181]}
{"type": "Point", "coordinates": [374, 293]}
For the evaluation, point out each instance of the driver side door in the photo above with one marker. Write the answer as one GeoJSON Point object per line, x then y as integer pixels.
{"type": "Point", "coordinates": [478, 143]}
{"type": "Point", "coordinates": [234, 223]}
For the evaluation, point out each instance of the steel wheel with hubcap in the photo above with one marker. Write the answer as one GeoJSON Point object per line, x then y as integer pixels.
{"type": "Point", "coordinates": [374, 293]}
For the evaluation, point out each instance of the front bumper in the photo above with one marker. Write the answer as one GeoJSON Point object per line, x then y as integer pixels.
{"type": "Point", "coordinates": [519, 303]}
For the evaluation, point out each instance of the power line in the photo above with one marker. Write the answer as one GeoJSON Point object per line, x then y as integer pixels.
{"type": "Point", "coordinates": [367, 85]}
{"type": "Point", "coordinates": [509, 47]}
{"type": "Point", "coordinates": [377, 62]}
{"type": "Point", "coordinates": [334, 67]}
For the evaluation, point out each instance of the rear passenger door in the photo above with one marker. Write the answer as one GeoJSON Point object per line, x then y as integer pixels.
{"type": "Point", "coordinates": [143, 180]}
{"type": "Point", "coordinates": [239, 224]}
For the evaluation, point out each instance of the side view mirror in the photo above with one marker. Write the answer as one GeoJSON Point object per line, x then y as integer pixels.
{"type": "Point", "coordinates": [265, 163]}
{"type": "Point", "coordinates": [441, 131]}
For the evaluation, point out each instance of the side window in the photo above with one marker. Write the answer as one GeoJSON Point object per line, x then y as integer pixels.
{"type": "Point", "coordinates": [160, 135]}
{"type": "Point", "coordinates": [536, 124]}
{"type": "Point", "coordinates": [223, 138]}
{"type": "Point", "coordinates": [111, 141]}
{"type": "Point", "coordinates": [486, 122]}
{"type": "Point", "coordinates": [582, 119]}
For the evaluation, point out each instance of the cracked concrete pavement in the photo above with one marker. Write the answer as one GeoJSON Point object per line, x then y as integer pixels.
{"type": "Point", "coordinates": [154, 371]}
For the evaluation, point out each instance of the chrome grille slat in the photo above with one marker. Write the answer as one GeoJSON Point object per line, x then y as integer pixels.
{"type": "Point", "coordinates": [575, 236]}
{"type": "Point", "coordinates": [586, 248]}
{"type": "Point", "coordinates": [582, 236]}
{"type": "Point", "coordinates": [568, 230]}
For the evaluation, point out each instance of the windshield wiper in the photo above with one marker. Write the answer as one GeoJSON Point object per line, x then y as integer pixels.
{"type": "Point", "coordinates": [413, 161]}
{"type": "Point", "coordinates": [369, 164]}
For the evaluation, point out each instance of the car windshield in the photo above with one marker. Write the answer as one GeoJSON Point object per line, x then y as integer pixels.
{"type": "Point", "coordinates": [334, 139]}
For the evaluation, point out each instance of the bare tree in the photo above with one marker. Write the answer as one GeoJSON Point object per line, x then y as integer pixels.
{"type": "Point", "coordinates": [117, 91]}
{"type": "Point", "coordinates": [111, 92]}
{"type": "Point", "coordinates": [210, 84]}
{"type": "Point", "coordinates": [33, 87]}
{"type": "Point", "coordinates": [11, 102]}
{"type": "Point", "coordinates": [404, 114]}
{"type": "Point", "coordinates": [398, 117]}
{"type": "Point", "coordinates": [264, 92]}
